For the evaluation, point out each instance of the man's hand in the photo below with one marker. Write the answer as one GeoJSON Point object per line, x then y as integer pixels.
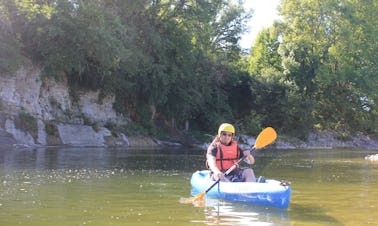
{"type": "Point", "coordinates": [218, 175]}
{"type": "Point", "coordinates": [246, 153]}
{"type": "Point", "coordinates": [248, 157]}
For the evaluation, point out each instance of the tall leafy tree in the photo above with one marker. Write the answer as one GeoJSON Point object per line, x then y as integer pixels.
{"type": "Point", "coordinates": [303, 49]}
{"type": "Point", "coordinates": [10, 53]}
{"type": "Point", "coordinates": [319, 53]}
{"type": "Point", "coordinates": [348, 76]}
{"type": "Point", "coordinates": [192, 38]}
{"type": "Point", "coordinates": [265, 66]}
{"type": "Point", "coordinates": [264, 52]}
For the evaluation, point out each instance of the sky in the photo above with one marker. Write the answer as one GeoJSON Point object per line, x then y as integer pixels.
{"type": "Point", "coordinates": [263, 16]}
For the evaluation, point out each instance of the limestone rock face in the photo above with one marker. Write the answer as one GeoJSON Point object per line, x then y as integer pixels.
{"type": "Point", "coordinates": [21, 91]}
{"type": "Point", "coordinates": [59, 117]}
{"type": "Point", "coordinates": [98, 110]}
{"type": "Point", "coordinates": [19, 135]}
{"type": "Point", "coordinates": [79, 135]}
{"type": "Point", "coordinates": [50, 99]}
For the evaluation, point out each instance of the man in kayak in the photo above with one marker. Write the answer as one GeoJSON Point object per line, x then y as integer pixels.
{"type": "Point", "coordinates": [224, 152]}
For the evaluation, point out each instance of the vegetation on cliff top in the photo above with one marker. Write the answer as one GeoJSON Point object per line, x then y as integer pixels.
{"type": "Point", "coordinates": [175, 63]}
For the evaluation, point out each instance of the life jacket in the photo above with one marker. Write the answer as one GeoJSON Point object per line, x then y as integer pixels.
{"type": "Point", "coordinates": [226, 156]}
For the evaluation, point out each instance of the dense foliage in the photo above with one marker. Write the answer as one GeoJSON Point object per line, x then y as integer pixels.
{"type": "Point", "coordinates": [324, 55]}
{"type": "Point", "coordinates": [173, 63]}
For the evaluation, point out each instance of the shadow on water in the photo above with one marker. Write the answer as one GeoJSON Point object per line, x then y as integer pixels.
{"type": "Point", "coordinates": [311, 214]}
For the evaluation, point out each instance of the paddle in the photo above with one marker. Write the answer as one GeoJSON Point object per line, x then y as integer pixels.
{"type": "Point", "coordinates": [266, 137]}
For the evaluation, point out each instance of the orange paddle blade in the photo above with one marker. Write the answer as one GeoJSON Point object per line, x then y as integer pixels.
{"type": "Point", "coordinates": [266, 137]}
{"type": "Point", "coordinates": [198, 197]}
{"type": "Point", "coordinates": [194, 200]}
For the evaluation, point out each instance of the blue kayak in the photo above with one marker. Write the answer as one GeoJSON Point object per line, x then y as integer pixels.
{"type": "Point", "coordinates": [270, 193]}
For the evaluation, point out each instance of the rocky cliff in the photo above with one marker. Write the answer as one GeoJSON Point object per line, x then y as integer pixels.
{"type": "Point", "coordinates": [44, 112]}
{"type": "Point", "coordinates": [40, 112]}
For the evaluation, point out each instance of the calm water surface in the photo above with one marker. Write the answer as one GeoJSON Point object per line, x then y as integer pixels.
{"type": "Point", "coordinates": [96, 186]}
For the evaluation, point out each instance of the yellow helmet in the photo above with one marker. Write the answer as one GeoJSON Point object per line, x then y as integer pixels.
{"type": "Point", "coordinates": [226, 127]}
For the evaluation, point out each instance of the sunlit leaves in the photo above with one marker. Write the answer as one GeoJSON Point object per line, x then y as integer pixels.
{"type": "Point", "coordinates": [33, 8]}
{"type": "Point", "coordinates": [328, 50]}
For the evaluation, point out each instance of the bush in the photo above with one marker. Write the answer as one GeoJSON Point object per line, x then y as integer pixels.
{"type": "Point", "coordinates": [28, 123]}
{"type": "Point", "coordinates": [51, 129]}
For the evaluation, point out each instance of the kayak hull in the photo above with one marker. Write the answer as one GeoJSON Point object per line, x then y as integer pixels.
{"type": "Point", "coordinates": [271, 193]}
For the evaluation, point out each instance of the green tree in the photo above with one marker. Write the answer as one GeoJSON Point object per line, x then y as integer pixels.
{"type": "Point", "coordinates": [176, 72]}
{"type": "Point", "coordinates": [324, 52]}
{"type": "Point", "coordinates": [264, 53]}
{"type": "Point", "coordinates": [348, 77]}
{"type": "Point", "coordinates": [10, 47]}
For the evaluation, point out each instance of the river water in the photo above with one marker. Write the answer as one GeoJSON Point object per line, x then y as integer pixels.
{"type": "Point", "coordinates": [99, 186]}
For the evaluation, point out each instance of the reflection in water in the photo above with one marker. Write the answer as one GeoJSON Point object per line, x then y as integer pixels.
{"type": "Point", "coordinates": [100, 186]}
{"type": "Point", "coordinates": [100, 158]}
{"type": "Point", "coordinates": [234, 213]}
{"type": "Point", "coordinates": [95, 186]}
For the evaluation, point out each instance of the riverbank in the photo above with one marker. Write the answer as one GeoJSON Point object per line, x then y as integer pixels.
{"type": "Point", "coordinates": [87, 136]}
{"type": "Point", "coordinates": [316, 140]}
